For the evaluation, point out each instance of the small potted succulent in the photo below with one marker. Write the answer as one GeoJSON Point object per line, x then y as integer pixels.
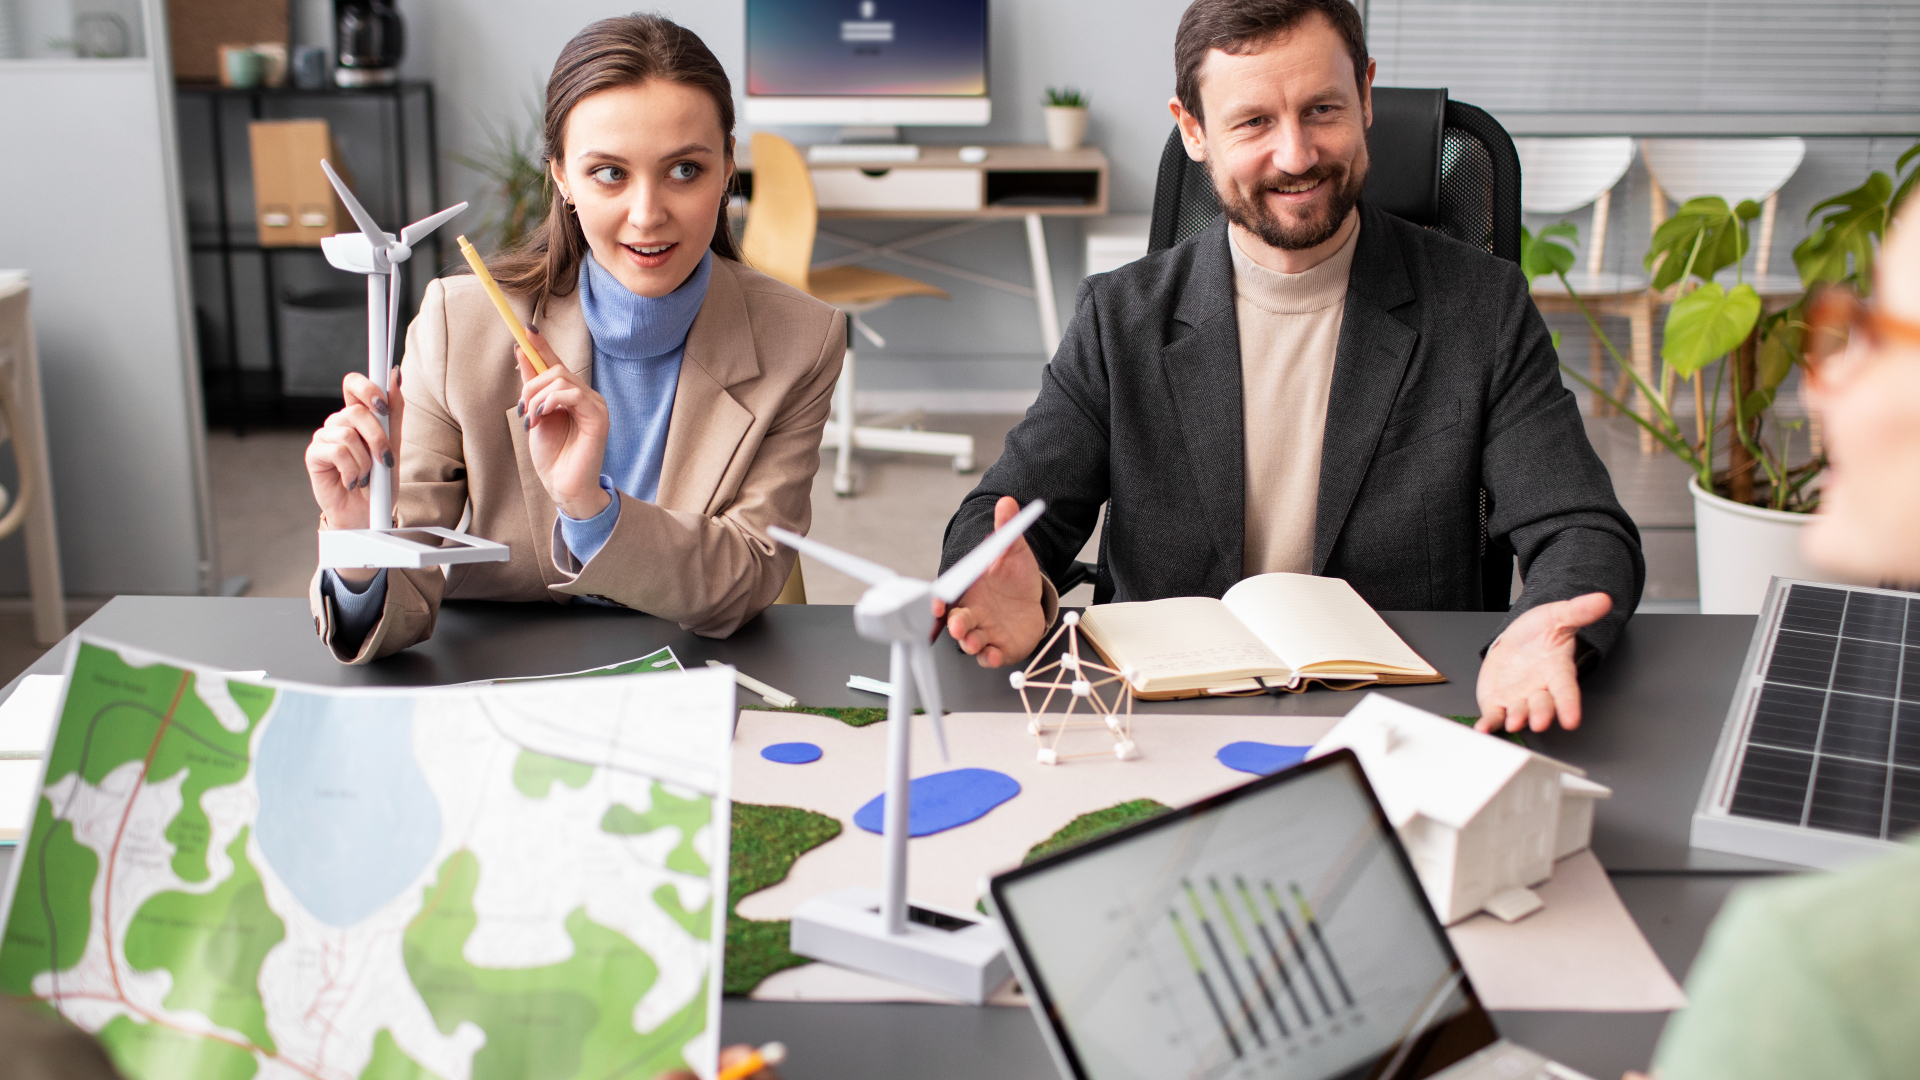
{"type": "Point", "coordinates": [1066, 114]}
{"type": "Point", "coordinates": [1752, 493]}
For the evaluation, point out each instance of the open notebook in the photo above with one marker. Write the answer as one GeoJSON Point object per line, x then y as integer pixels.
{"type": "Point", "coordinates": [1273, 631]}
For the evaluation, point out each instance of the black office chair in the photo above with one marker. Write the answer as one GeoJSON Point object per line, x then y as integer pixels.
{"type": "Point", "coordinates": [1443, 164]}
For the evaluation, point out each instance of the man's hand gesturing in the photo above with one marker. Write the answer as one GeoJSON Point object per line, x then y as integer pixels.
{"type": "Point", "coordinates": [1000, 620]}
{"type": "Point", "coordinates": [1529, 679]}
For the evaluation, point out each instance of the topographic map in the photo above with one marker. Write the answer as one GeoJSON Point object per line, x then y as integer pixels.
{"type": "Point", "coordinates": [227, 879]}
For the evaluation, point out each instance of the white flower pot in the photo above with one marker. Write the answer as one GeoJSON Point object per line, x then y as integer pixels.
{"type": "Point", "coordinates": [1066, 126]}
{"type": "Point", "coordinates": [1741, 548]}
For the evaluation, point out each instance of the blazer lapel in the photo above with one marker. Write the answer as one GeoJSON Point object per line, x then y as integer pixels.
{"type": "Point", "coordinates": [708, 424]}
{"type": "Point", "coordinates": [1203, 374]}
{"type": "Point", "coordinates": [1367, 368]}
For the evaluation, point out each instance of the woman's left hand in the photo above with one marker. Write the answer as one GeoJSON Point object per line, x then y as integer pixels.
{"type": "Point", "coordinates": [566, 431]}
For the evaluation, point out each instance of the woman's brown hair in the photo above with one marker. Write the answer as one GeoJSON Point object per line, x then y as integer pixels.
{"type": "Point", "coordinates": [623, 51]}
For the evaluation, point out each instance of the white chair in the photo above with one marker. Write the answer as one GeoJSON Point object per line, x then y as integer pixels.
{"type": "Point", "coordinates": [26, 427]}
{"type": "Point", "coordinates": [1734, 169]}
{"type": "Point", "coordinates": [1560, 176]}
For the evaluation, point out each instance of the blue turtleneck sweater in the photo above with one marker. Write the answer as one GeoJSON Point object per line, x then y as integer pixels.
{"type": "Point", "coordinates": [638, 343]}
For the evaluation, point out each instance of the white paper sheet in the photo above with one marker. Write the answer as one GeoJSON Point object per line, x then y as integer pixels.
{"type": "Point", "coordinates": [27, 716]}
{"type": "Point", "coordinates": [1582, 953]}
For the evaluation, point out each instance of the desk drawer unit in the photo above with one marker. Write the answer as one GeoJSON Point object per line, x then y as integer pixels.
{"type": "Point", "coordinates": [898, 189]}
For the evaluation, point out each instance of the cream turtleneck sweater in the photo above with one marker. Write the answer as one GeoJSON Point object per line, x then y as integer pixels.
{"type": "Point", "coordinates": [1289, 332]}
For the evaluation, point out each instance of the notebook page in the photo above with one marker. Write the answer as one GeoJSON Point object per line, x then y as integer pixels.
{"type": "Point", "coordinates": [1310, 621]}
{"type": "Point", "coordinates": [1180, 639]}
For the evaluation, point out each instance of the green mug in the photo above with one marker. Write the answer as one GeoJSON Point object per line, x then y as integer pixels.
{"type": "Point", "coordinates": [244, 67]}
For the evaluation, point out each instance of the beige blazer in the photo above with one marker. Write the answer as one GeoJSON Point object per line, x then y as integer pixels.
{"type": "Point", "coordinates": [742, 448]}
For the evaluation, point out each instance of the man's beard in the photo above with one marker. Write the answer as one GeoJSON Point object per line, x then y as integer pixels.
{"type": "Point", "coordinates": [1250, 211]}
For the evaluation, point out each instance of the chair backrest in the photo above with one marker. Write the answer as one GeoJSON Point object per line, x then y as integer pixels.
{"type": "Point", "coordinates": [1734, 169]}
{"type": "Point", "coordinates": [1564, 175]}
{"type": "Point", "coordinates": [1465, 182]}
{"type": "Point", "coordinates": [782, 215]}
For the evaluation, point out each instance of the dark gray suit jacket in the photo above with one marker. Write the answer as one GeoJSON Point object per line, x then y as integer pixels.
{"type": "Point", "coordinates": [1445, 382]}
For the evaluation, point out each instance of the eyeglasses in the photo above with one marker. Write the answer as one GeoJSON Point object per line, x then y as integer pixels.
{"type": "Point", "coordinates": [1843, 333]}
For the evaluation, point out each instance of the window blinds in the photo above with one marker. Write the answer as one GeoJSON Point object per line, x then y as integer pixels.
{"type": "Point", "coordinates": [1655, 56]}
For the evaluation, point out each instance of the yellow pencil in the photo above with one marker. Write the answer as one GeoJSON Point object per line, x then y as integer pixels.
{"type": "Point", "coordinates": [769, 1055]}
{"type": "Point", "coordinates": [500, 302]}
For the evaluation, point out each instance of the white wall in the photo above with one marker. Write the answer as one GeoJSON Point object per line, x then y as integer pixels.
{"type": "Point", "coordinates": [88, 206]}
{"type": "Point", "coordinates": [487, 57]}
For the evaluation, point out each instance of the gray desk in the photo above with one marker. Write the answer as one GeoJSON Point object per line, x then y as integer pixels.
{"type": "Point", "coordinates": [1654, 709]}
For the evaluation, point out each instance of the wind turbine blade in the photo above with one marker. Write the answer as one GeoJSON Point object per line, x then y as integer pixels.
{"type": "Point", "coordinates": [375, 235]}
{"type": "Point", "coordinates": [852, 565]}
{"type": "Point", "coordinates": [960, 577]}
{"type": "Point", "coordinates": [925, 674]}
{"type": "Point", "coordinates": [419, 230]}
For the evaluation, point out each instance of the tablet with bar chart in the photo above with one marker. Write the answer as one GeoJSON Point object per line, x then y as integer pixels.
{"type": "Point", "coordinates": [1819, 757]}
{"type": "Point", "coordinates": [1274, 930]}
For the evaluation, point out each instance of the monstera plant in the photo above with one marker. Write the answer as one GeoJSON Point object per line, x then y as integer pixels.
{"type": "Point", "coordinates": [1723, 331]}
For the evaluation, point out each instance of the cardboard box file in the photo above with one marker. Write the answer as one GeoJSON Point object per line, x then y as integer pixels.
{"type": "Point", "coordinates": [293, 204]}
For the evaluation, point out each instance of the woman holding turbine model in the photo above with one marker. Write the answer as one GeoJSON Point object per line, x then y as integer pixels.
{"type": "Point", "coordinates": [676, 409]}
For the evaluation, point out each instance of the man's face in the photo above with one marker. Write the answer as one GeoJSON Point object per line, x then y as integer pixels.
{"type": "Point", "coordinates": [1285, 137]}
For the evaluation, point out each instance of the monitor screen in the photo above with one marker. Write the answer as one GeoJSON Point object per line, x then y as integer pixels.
{"type": "Point", "coordinates": [1279, 934]}
{"type": "Point", "coordinates": [867, 48]}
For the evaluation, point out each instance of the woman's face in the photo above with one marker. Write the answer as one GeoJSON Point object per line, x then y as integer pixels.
{"type": "Point", "coordinates": [646, 168]}
{"type": "Point", "coordinates": [1868, 528]}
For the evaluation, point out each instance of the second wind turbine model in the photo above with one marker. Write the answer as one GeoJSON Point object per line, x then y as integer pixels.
{"type": "Point", "coordinates": [949, 951]}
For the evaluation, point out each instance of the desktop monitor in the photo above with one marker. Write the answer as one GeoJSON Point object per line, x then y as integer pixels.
{"type": "Point", "coordinates": [867, 62]}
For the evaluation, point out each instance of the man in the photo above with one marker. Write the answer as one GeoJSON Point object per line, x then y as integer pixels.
{"type": "Point", "coordinates": [1310, 385]}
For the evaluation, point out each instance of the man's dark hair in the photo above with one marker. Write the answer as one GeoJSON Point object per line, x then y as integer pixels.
{"type": "Point", "coordinates": [1238, 27]}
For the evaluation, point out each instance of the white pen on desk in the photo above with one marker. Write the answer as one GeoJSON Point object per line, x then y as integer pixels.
{"type": "Point", "coordinates": [871, 686]}
{"type": "Point", "coordinates": [777, 698]}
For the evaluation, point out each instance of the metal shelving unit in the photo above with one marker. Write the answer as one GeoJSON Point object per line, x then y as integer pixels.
{"type": "Point", "coordinates": [388, 142]}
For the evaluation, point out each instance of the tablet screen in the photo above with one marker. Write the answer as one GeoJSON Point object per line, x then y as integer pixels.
{"type": "Point", "coordinates": [1277, 934]}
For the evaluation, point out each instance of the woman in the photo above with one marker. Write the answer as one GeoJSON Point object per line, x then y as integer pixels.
{"type": "Point", "coordinates": [1818, 976]}
{"type": "Point", "coordinates": [681, 409]}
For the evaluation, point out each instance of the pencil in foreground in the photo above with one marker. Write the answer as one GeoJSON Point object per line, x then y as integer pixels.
{"type": "Point", "coordinates": [500, 304]}
{"type": "Point", "coordinates": [766, 1057]}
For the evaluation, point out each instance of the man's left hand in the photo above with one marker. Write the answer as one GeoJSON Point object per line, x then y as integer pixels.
{"type": "Point", "coordinates": [1528, 678]}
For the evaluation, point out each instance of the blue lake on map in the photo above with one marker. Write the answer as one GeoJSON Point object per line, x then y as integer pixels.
{"type": "Point", "coordinates": [346, 818]}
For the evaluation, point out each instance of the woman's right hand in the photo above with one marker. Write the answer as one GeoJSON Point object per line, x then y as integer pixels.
{"type": "Point", "coordinates": [340, 458]}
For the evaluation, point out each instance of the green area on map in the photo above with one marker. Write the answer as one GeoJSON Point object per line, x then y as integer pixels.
{"type": "Point", "coordinates": [687, 815]}
{"type": "Point", "coordinates": [571, 1019]}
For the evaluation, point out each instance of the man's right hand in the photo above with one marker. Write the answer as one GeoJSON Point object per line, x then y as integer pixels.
{"type": "Point", "coordinates": [1002, 617]}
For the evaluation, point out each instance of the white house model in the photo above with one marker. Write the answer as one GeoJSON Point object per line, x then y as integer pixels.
{"type": "Point", "coordinates": [1481, 817]}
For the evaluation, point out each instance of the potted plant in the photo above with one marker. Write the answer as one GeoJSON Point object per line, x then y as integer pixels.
{"type": "Point", "coordinates": [1066, 114]}
{"type": "Point", "coordinates": [1750, 498]}
{"type": "Point", "coordinates": [516, 192]}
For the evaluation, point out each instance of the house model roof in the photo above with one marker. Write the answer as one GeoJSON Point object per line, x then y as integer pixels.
{"type": "Point", "coordinates": [1421, 763]}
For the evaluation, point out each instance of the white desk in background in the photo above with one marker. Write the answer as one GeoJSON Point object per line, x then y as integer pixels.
{"type": "Point", "coordinates": [1025, 184]}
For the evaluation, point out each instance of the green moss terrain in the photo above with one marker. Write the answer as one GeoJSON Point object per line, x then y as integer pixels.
{"type": "Point", "coordinates": [851, 717]}
{"type": "Point", "coordinates": [1511, 736]}
{"type": "Point", "coordinates": [767, 840]}
{"type": "Point", "coordinates": [1095, 824]}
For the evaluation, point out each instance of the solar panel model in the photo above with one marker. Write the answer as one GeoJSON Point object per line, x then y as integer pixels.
{"type": "Point", "coordinates": [1819, 761]}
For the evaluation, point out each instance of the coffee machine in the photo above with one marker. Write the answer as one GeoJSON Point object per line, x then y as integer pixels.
{"type": "Point", "coordinates": [368, 43]}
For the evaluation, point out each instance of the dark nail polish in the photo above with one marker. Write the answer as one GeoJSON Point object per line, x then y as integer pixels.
{"type": "Point", "coordinates": [380, 406]}
{"type": "Point", "coordinates": [521, 406]}
{"type": "Point", "coordinates": [353, 483]}
{"type": "Point", "coordinates": [367, 480]}
{"type": "Point", "coordinates": [387, 459]}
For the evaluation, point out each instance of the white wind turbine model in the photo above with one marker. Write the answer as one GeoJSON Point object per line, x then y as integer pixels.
{"type": "Point", "coordinates": [376, 254]}
{"type": "Point", "coordinates": [953, 952]}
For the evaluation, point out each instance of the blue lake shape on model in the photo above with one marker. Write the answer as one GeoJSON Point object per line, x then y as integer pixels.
{"type": "Point", "coordinates": [943, 800]}
{"type": "Point", "coordinates": [346, 817]}
{"type": "Point", "coordinates": [1259, 758]}
{"type": "Point", "coordinates": [792, 753]}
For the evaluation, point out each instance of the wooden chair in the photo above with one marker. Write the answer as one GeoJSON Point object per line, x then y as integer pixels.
{"type": "Point", "coordinates": [25, 426]}
{"type": "Point", "coordinates": [795, 590]}
{"type": "Point", "coordinates": [1565, 175]}
{"type": "Point", "coordinates": [782, 218]}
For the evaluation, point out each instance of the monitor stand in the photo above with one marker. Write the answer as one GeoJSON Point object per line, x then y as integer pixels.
{"type": "Point", "coordinates": [868, 133]}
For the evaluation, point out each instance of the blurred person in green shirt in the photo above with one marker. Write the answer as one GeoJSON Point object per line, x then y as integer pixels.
{"type": "Point", "coordinates": [1819, 976]}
